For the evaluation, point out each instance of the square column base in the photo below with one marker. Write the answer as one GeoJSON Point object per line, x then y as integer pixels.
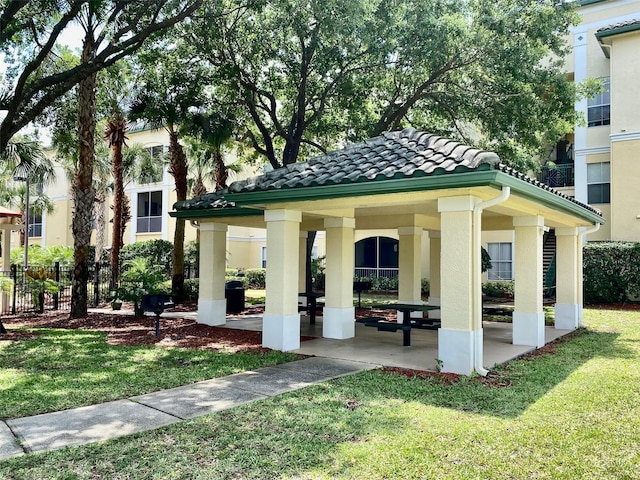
{"type": "Point", "coordinates": [212, 312]}
{"type": "Point", "coordinates": [455, 350]}
{"type": "Point", "coordinates": [338, 323]}
{"type": "Point", "coordinates": [435, 314]}
{"type": "Point", "coordinates": [281, 332]}
{"type": "Point", "coordinates": [528, 329]}
{"type": "Point", "coordinates": [567, 316]}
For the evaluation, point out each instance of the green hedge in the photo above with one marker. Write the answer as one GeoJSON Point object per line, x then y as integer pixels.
{"type": "Point", "coordinates": [611, 272]}
{"type": "Point", "coordinates": [256, 277]}
{"type": "Point", "coordinates": [501, 289]}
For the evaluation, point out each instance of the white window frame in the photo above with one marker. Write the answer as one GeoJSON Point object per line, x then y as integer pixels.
{"type": "Point", "coordinates": [263, 257]}
{"type": "Point", "coordinates": [601, 104]}
{"type": "Point", "coordinates": [599, 174]}
{"type": "Point", "coordinates": [496, 274]}
{"type": "Point", "coordinates": [32, 224]}
{"type": "Point", "coordinates": [149, 217]}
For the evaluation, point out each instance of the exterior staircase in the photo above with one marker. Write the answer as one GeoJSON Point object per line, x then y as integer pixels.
{"type": "Point", "coordinates": [549, 263]}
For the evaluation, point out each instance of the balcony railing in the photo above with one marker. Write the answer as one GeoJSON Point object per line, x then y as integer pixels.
{"type": "Point", "coordinates": [558, 176]}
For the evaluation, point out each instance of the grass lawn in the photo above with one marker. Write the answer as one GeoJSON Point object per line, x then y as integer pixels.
{"type": "Point", "coordinates": [61, 369]}
{"type": "Point", "coordinates": [571, 414]}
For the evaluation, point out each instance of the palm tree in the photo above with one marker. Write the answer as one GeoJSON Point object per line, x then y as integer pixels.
{"type": "Point", "coordinates": [23, 158]}
{"type": "Point", "coordinates": [214, 130]}
{"type": "Point", "coordinates": [161, 110]}
{"type": "Point", "coordinates": [114, 133]}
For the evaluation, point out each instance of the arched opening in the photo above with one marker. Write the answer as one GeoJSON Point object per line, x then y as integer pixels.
{"type": "Point", "coordinates": [376, 257]}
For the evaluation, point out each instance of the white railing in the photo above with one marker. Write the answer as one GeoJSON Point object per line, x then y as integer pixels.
{"type": "Point", "coordinates": [376, 272]}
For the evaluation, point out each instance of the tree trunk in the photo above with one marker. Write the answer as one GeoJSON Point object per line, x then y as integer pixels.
{"type": "Point", "coordinates": [82, 184]}
{"type": "Point", "coordinates": [115, 134]}
{"type": "Point", "coordinates": [198, 189]}
{"type": "Point", "coordinates": [178, 169]}
{"type": "Point", "coordinates": [222, 173]}
{"type": "Point", "coordinates": [99, 209]}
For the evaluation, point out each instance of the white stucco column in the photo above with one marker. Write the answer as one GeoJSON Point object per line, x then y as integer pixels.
{"type": "Point", "coordinates": [212, 306]}
{"type": "Point", "coordinates": [434, 273]}
{"type": "Point", "coordinates": [456, 336]}
{"type": "Point", "coordinates": [409, 266]}
{"type": "Point", "coordinates": [281, 320]}
{"type": "Point", "coordinates": [567, 308]}
{"type": "Point", "coordinates": [5, 304]}
{"type": "Point", "coordinates": [338, 320]}
{"type": "Point", "coordinates": [528, 316]}
{"type": "Point", "coordinates": [302, 263]}
{"type": "Point", "coordinates": [580, 278]}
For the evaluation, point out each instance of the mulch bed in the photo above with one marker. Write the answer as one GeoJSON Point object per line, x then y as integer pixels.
{"type": "Point", "coordinates": [128, 330]}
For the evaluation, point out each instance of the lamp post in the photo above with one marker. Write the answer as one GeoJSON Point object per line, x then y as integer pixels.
{"type": "Point", "coordinates": [26, 220]}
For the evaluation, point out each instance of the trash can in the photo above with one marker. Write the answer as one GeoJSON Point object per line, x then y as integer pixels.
{"type": "Point", "coordinates": [234, 293]}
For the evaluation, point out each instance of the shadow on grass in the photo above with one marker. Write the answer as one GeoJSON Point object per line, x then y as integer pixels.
{"type": "Point", "coordinates": [518, 384]}
{"type": "Point", "coordinates": [61, 369]}
{"type": "Point", "coordinates": [311, 429]}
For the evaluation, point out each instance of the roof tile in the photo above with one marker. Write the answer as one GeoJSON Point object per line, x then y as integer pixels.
{"type": "Point", "coordinates": [394, 155]}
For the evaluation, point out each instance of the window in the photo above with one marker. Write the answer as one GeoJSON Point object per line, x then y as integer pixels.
{"type": "Point", "coordinates": [263, 257]}
{"type": "Point", "coordinates": [598, 108]}
{"type": "Point", "coordinates": [151, 171]}
{"type": "Point", "coordinates": [149, 212]}
{"type": "Point", "coordinates": [599, 182]}
{"type": "Point", "coordinates": [502, 261]}
{"type": "Point", "coordinates": [377, 256]}
{"type": "Point", "coordinates": [35, 224]}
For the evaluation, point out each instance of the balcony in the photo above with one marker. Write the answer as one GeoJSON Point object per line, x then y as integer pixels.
{"type": "Point", "coordinates": [557, 176]}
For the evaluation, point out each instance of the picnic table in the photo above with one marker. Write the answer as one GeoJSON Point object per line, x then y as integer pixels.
{"type": "Point", "coordinates": [407, 322]}
{"type": "Point", "coordinates": [312, 303]}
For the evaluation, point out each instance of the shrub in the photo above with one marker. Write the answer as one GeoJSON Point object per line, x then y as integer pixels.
{"type": "Point", "coordinates": [317, 273]}
{"type": "Point", "coordinates": [611, 272]}
{"type": "Point", "coordinates": [256, 277]}
{"type": "Point", "coordinates": [140, 277]}
{"type": "Point", "coordinates": [424, 286]}
{"type": "Point", "coordinates": [44, 256]}
{"type": "Point", "coordinates": [229, 278]}
{"type": "Point", "coordinates": [154, 252]}
{"type": "Point", "coordinates": [499, 289]}
{"type": "Point", "coordinates": [380, 284]}
{"type": "Point", "coordinates": [192, 288]}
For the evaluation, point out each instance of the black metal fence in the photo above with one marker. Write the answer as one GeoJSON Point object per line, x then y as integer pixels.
{"type": "Point", "coordinates": [39, 289]}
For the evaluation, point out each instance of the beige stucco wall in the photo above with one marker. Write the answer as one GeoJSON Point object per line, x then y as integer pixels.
{"type": "Point", "coordinates": [625, 198]}
{"type": "Point", "coordinates": [625, 77]}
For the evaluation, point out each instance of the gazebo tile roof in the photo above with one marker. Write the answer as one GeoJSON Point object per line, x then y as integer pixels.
{"type": "Point", "coordinates": [620, 25]}
{"type": "Point", "coordinates": [395, 155]}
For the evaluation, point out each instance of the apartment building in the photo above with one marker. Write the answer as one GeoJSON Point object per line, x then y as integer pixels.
{"type": "Point", "coordinates": [600, 163]}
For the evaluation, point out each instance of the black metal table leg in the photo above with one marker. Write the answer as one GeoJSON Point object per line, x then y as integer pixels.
{"type": "Point", "coordinates": [312, 314]}
{"type": "Point", "coordinates": [406, 333]}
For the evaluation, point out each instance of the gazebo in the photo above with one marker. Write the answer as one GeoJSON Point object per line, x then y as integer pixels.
{"type": "Point", "coordinates": [410, 181]}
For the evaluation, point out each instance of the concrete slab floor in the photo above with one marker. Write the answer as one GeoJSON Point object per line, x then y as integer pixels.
{"type": "Point", "coordinates": [385, 348]}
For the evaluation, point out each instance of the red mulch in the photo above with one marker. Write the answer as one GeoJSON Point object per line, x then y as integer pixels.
{"type": "Point", "coordinates": [128, 330]}
{"type": "Point", "coordinates": [493, 379]}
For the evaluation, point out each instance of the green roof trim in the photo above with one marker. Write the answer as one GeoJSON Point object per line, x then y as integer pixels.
{"type": "Point", "coordinates": [477, 178]}
{"type": "Point", "coordinates": [216, 213]}
{"type": "Point", "coordinates": [548, 198]}
{"type": "Point", "coordinates": [584, 3]}
{"type": "Point", "coordinates": [618, 30]}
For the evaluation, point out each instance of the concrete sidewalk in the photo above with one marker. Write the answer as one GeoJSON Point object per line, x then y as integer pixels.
{"type": "Point", "coordinates": [95, 423]}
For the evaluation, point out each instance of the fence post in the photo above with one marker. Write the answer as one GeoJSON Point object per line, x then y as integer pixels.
{"type": "Point", "coordinates": [14, 277]}
{"type": "Point", "coordinates": [56, 296]}
{"type": "Point", "coordinates": [96, 284]}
